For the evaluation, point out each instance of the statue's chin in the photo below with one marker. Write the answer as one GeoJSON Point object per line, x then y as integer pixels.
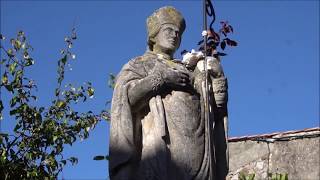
{"type": "Point", "coordinates": [168, 49]}
{"type": "Point", "coordinates": [171, 49]}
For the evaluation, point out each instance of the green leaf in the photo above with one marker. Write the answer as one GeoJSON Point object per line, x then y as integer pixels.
{"type": "Point", "coordinates": [64, 162]}
{"type": "Point", "coordinates": [64, 59]}
{"type": "Point", "coordinates": [19, 73]}
{"type": "Point", "coordinates": [73, 160]}
{"type": "Point", "coordinates": [12, 67]}
{"type": "Point", "coordinates": [3, 156]}
{"type": "Point", "coordinates": [29, 62]}
{"type": "Point", "coordinates": [242, 176]}
{"type": "Point", "coordinates": [54, 138]}
{"type": "Point", "coordinates": [111, 81]}
{"type": "Point", "coordinates": [24, 107]}
{"type": "Point", "coordinates": [97, 158]}
{"type": "Point", "coordinates": [57, 92]}
{"type": "Point", "coordinates": [90, 92]}
{"type": "Point", "coordinates": [14, 101]}
{"type": "Point", "coordinates": [10, 53]}
{"type": "Point", "coordinates": [3, 61]}
{"type": "Point", "coordinates": [14, 111]}
{"type": "Point", "coordinates": [29, 155]}
{"type": "Point", "coordinates": [284, 176]}
{"type": "Point", "coordinates": [9, 87]}
{"type": "Point", "coordinates": [22, 145]}
{"type": "Point", "coordinates": [18, 126]}
{"type": "Point", "coordinates": [251, 176]}
{"type": "Point", "coordinates": [4, 78]}
{"type": "Point", "coordinates": [17, 44]}
{"type": "Point", "coordinates": [2, 37]}
{"type": "Point", "coordinates": [1, 106]}
{"type": "Point", "coordinates": [41, 109]}
{"type": "Point", "coordinates": [61, 104]}
{"type": "Point", "coordinates": [33, 173]}
{"type": "Point", "coordinates": [12, 152]}
{"type": "Point", "coordinates": [20, 33]}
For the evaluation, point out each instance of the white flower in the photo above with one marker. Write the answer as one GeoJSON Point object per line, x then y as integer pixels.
{"type": "Point", "coordinates": [204, 33]}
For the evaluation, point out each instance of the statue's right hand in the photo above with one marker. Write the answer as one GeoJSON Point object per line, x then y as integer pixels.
{"type": "Point", "coordinates": [173, 77]}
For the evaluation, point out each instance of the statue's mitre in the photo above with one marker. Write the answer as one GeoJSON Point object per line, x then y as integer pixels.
{"type": "Point", "coordinates": [164, 15]}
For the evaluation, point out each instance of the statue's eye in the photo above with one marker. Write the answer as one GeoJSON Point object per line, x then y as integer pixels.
{"type": "Point", "coordinates": [168, 30]}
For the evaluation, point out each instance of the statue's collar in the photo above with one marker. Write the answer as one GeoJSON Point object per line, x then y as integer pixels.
{"type": "Point", "coordinates": [160, 56]}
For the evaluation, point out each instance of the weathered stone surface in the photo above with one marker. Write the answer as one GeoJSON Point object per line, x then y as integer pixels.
{"type": "Point", "coordinates": [159, 129]}
{"type": "Point", "coordinates": [294, 153]}
{"type": "Point", "coordinates": [246, 152]}
{"type": "Point", "coordinates": [300, 158]}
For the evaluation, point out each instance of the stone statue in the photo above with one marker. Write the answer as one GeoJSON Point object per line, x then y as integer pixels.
{"type": "Point", "coordinates": [158, 124]}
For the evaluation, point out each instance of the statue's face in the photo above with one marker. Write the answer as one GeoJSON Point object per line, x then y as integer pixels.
{"type": "Point", "coordinates": [168, 39]}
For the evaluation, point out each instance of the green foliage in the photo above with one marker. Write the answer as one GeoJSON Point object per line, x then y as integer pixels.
{"type": "Point", "coordinates": [111, 81]}
{"type": "Point", "coordinates": [245, 176]}
{"type": "Point", "coordinates": [98, 158]}
{"type": "Point", "coordinates": [278, 176]}
{"type": "Point", "coordinates": [273, 176]}
{"type": "Point", "coordinates": [35, 149]}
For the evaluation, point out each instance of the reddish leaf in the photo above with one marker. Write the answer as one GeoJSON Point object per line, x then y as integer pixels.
{"type": "Point", "coordinates": [221, 54]}
{"type": "Point", "coordinates": [223, 23]}
{"type": "Point", "coordinates": [224, 33]}
{"type": "Point", "coordinates": [216, 37]}
{"type": "Point", "coordinates": [210, 31]}
{"type": "Point", "coordinates": [200, 42]}
{"type": "Point", "coordinates": [210, 44]}
{"type": "Point", "coordinates": [231, 42]}
{"type": "Point", "coordinates": [223, 45]}
{"type": "Point", "coordinates": [231, 28]}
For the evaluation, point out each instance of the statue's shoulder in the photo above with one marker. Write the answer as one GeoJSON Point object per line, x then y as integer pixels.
{"type": "Point", "coordinates": [139, 65]}
{"type": "Point", "coordinates": [144, 60]}
{"type": "Point", "coordinates": [136, 60]}
{"type": "Point", "coordinates": [147, 57]}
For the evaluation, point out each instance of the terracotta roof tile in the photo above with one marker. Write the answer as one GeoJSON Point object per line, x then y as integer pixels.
{"type": "Point", "coordinates": [278, 136]}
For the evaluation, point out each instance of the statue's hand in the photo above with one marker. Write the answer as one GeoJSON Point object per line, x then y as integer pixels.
{"type": "Point", "coordinates": [173, 77]}
{"type": "Point", "coordinates": [213, 65]}
{"type": "Point", "coordinates": [191, 59]}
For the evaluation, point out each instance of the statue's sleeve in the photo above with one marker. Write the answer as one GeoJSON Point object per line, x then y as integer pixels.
{"type": "Point", "coordinates": [220, 90]}
{"type": "Point", "coordinates": [143, 89]}
{"type": "Point", "coordinates": [134, 86]}
{"type": "Point", "coordinates": [124, 139]}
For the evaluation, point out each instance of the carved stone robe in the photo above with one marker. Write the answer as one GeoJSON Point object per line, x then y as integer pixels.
{"type": "Point", "coordinates": [166, 136]}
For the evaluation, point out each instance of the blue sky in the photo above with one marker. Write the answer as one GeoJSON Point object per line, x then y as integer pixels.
{"type": "Point", "coordinates": [273, 74]}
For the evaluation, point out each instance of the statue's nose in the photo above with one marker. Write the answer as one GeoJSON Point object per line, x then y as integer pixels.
{"type": "Point", "coordinates": [174, 34]}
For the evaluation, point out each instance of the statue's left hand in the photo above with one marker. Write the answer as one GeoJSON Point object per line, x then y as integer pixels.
{"type": "Point", "coordinates": [213, 65]}
{"type": "Point", "coordinates": [192, 58]}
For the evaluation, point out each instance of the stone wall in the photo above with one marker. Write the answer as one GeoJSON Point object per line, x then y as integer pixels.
{"type": "Point", "coordinates": [294, 152]}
